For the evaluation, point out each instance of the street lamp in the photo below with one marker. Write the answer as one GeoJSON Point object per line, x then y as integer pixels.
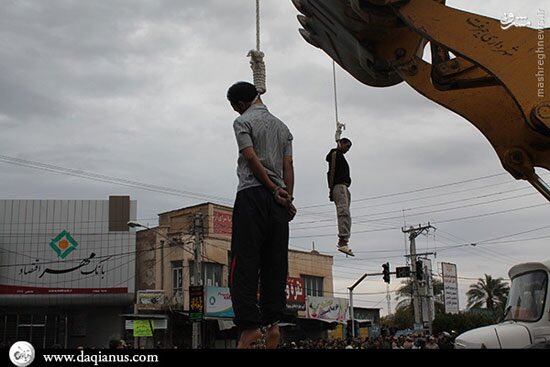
{"type": "Point", "coordinates": [132, 224]}
{"type": "Point", "coordinates": [351, 303]}
{"type": "Point", "coordinates": [136, 225]}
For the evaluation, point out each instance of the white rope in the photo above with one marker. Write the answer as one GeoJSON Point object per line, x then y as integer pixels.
{"type": "Point", "coordinates": [257, 58]}
{"type": "Point", "coordinates": [339, 126]}
{"type": "Point", "coordinates": [258, 31]}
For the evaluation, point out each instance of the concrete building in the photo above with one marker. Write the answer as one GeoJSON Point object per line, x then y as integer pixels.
{"type": "Point", "coordinates": [164, 272]}
{"type": "Point", "coordinates": [67, 270]}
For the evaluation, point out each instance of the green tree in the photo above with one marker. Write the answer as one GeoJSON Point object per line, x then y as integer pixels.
{"type": "Point", "coordinates": [402, 318]}
{"type": "Point", "coordinates": [405, 292]}
{"type": "Point", "coordinates": [461, 322]}
{"type": "Point", "coordinates": [489, 292]}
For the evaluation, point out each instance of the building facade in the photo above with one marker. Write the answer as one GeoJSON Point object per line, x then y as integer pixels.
{"type": "Point", "coordinates": [165, 271]}
{"type": "Point", "coordinates": [67, 270]}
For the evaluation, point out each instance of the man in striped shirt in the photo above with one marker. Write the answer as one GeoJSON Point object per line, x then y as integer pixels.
{"type": "Point", "coordinates": [261, 215]}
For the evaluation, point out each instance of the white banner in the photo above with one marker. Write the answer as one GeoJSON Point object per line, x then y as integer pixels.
{"type": "Point", "coordinates": [150, 299]}
{"type": "Point", "coordinates": [327, 308]}
{"type": "Point", "coordinates": [450, 287]}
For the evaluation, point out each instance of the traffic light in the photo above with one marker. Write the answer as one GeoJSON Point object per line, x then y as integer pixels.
{"type": "Point", "coordinates": [419, 270]}
{"type": "Point", "coordinates": [386, 272]}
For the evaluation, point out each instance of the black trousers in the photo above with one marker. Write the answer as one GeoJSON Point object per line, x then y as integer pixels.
{"type": "Point", "coordinates": [259, 251]}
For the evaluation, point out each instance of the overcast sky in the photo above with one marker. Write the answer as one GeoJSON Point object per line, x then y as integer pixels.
{"type": "Point", "coordinates": [136, 89]}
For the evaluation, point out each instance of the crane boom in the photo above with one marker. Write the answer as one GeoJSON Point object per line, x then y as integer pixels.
{"type": "Point", "coordinates": [480, 70]}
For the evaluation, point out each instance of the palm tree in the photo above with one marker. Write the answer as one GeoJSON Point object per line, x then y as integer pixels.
{"type": "Point", "coordinates": [490, 292]}
{"type": "Point", "coordinates": [405, 292]}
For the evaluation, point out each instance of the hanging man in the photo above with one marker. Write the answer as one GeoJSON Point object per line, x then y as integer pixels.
{"type": "Point", "coordinates": [261, 215]}
{"type": "Point", "coordinates": [339, 181]}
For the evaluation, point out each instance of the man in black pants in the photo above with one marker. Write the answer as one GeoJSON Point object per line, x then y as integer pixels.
{"type": "Point", "coordinates": [262, 211]}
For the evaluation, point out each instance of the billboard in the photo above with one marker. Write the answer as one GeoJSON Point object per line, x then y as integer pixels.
{"type": "Point", "coordinates": [327, 308]}
{"type": "Point", "coordinates": [450, 287]}
{"type": "Point", "coordinates": [218, 302]}
{"type": "Point", "coordinates": [218, 299]}
{"type": "Point", "coordinates": [295, 294]}
{"type": "Point", "coordinates": [222, 222]}
{"type": "Point", "coordinates": [196, 302]}
{"type": "Point", "coordinates": [63, 251]}
{"type": "Point", "coordinates": [150, 299]}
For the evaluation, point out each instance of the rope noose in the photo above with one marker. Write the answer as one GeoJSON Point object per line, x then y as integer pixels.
{"type": "Point", "coordinates": [257, 58]}
{"type": "Point", "coordinates": [339, 126]}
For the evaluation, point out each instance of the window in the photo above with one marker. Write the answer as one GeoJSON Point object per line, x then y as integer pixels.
{"type": "Point", "coordinates": [527, 297]}
{"type": "Point", "coordinates": [211, 274]}
{"type": "Point", "coordinates": [314, 285]}
{"type": "Point", "coordinates": [177, 279]}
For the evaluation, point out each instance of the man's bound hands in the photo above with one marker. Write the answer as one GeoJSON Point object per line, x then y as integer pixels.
{"type": "Point", "coordinates": [283, 198]}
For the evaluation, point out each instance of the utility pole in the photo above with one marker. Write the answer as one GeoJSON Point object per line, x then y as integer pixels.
{"type": "Point", "coordinates": [388, 298]}
{"type": "Point", "coordinates": [417, 301]}
{"type": "Point", "coordinates": [197, 272]}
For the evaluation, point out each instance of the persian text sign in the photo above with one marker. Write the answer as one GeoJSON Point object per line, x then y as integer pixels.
{"type": "Point", "coordinates": [327, 308]}
{"type": "Point", "coordinates": [295, 294]}
{"type": "Point", "coordinates": [143, 328]}
{"type": "Point", "coordinates": [196, 302]}
{"type": "Point", "coordinates": [450, 287]}
{"type": "Point", "coordinates": [222, 222]}
{"type": "Point", "coordinates": [150, 299]}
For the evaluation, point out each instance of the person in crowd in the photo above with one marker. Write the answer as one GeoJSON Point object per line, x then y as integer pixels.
{"type": "Point", "coordinates": [381, 342]}
{"type": "Point", "coordinates": [431, 344]}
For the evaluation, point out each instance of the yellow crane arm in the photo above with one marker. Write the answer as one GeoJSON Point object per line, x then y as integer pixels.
{"type": "Point", "coordinates": [487, 73]}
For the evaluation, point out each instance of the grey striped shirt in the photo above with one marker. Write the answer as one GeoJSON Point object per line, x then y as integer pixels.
{"type": "Point", "coordinates": [271, 140]}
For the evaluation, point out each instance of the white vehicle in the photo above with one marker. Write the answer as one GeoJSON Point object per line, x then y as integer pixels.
{"type": "Point", "coordinates": [527, 316]}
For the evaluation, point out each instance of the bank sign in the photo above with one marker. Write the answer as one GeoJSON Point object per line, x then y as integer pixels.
{"type": "Point", "coordinates": [63, 248]}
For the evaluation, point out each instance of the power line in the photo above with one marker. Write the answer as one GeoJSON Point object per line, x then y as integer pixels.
{"type": "Point", "coordinates": [413, 214]}
{"type": "Point", "coordinates": [446, 194]}
{"type": "Point", "coordinates": [435, 221]}
{"type": "Point", "coordinates": [437, 204]}
{"type": "Point", "coordinates": [108, 179]}
{"type": "Point", "coordinates": [416, 190]}
{"type": "Point", "coordinates": [486, 253]}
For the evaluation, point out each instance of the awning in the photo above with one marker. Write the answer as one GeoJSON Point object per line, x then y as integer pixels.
{"type": "Point", "coordinates": [144, 316]}
{"type": "Point", "coordinates": [223, 323]}
{"type": "Point", "coordinates": [283, 324]}
{"type": "Point", "coordinates": [322, 320]}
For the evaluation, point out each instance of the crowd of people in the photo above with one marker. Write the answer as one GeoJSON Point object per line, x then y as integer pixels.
{"type": "Point", "coordinates": [442, 341]}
